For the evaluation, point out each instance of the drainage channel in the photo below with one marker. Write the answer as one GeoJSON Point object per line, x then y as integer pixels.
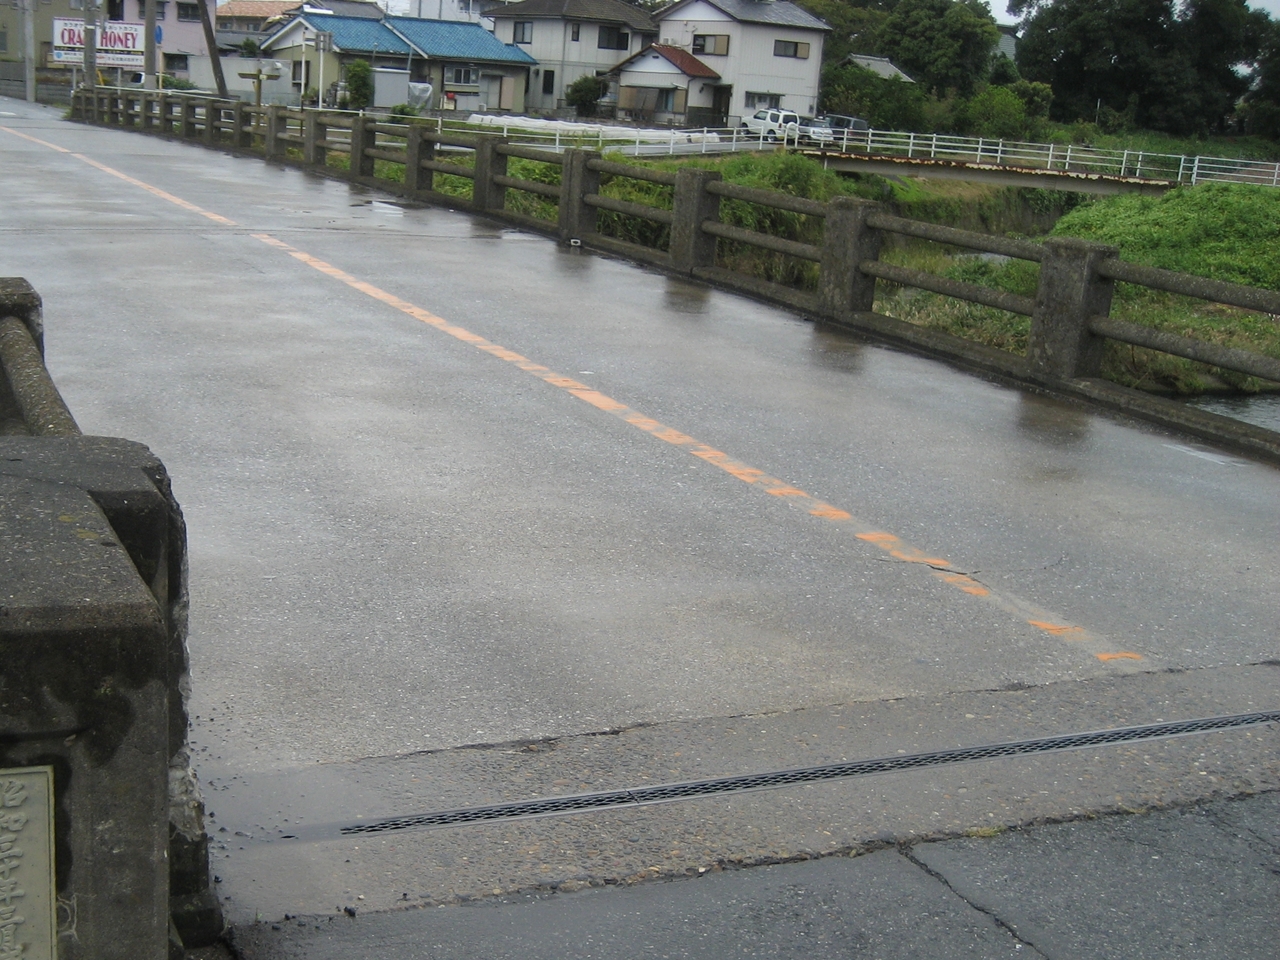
{"type": "Point", "coordinates": [720, 786]}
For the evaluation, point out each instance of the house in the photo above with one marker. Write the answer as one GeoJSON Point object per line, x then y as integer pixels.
{"type": "Point", "coordinates": [663, 84]}
{"type": "Point", "coordinates": [467, 67]}
{"type": "Point", "coordinates": [571, 39]}
{"type": "Point", "coordinates": [241, 20]}
{"type": "Point", "coordinates": [880, 66]}
{"type": "Point", "coordinates": [767, 53]}
{"type": "Point", "coordinates": [178, 24]}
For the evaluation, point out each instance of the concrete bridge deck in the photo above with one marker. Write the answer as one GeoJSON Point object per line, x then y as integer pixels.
{"type": "Point", "coordinates": [460, 501]}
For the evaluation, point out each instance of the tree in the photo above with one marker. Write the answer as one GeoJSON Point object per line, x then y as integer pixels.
{"type": "Point", "coordinates": [944, 44]}
{"type": "Point", "coordinates": [997, 112]}
{"type": "Point", "coordinates": [585, 92]}
{"type": "Point", "coordinates": [854, 29]}
{"type": "Point", "coordinates": [855, 91]}
{"type": "Point", "coordinates": [1261, 108]}
{"type": "Point", "coordinates": [359, 84]}
{"type": "Point", "coordinates": [1175, 67]}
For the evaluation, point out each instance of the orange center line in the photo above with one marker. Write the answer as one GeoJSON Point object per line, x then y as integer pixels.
{"type": "Point", "coordinates": [774, 486]}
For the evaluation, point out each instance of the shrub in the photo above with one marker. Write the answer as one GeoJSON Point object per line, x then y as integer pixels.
{"type": "Point", "coordinates": [359, 84]}
{"type": "Point", "coordinates": [584, 93]}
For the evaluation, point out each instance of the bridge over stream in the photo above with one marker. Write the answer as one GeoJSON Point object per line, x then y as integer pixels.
{"type": "Point", "coordinates": [476, 517]}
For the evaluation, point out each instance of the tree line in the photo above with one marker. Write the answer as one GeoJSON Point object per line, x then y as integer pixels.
{"type": "Point", "coordinates": [1182, 67]}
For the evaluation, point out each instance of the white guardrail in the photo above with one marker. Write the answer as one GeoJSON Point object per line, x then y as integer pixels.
{"type": "Point", "coordinates": [1069, 158]}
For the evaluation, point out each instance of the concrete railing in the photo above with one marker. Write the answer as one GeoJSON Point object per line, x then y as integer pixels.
{"type": "Point", "coordinates": [1069, 314]}
{"type": "Point", "coordinates": [113, 858]}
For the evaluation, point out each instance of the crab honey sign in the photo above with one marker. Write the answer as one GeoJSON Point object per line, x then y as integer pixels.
{"type": "Point", "coordinates": [28, 901]}
{"type": "Point", "coordinates": [119, 44]}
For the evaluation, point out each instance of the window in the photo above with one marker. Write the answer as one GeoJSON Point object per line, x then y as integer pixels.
{"type": "Point", "coordinates": [548, 82]}
{"type": "Point", "coordinates": [522, 32]}
{"type": "Point", "coordinates": [574, 30]}
{"type": "Point", "coordinates": [613, 38]}
{"type": "Point", "coordinates": [160, 6]}
{"type": "Point", "coordinates": [189, 12]}
{"type": "Point", "coordinates": [666, 101]}
{"type": "Point", "coordinates": [115, 9]}
{"type": "Point", "coordinates": [789, 48]}
{"type": "Point", "coordinates": [711, 44]}
{"type": "Point", "coordinates": [755, 101]}
{"type": "Point", "coordinates": [175, 61]}
{"type": "Point", "coordinates": [462, 76]}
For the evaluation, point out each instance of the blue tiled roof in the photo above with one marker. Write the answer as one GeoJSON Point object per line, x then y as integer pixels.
{"type": "Point", "coordinates": [355, 34]}
{"type": "Point", "coordinates": [453, 40]}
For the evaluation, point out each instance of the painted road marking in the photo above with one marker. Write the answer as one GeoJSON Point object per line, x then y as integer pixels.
{"type": "Point", "coordinates": [794, 496]}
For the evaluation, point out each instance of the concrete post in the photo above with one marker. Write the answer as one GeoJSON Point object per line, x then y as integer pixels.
{"type": "Point", "coordinates": [690, 246]}
{"type": "Point", "coordinates": [1060, 345]}
{"type": "Point", "coordinates": [275, 121]}
{"type": "Point", "coordinates": [487, 195]}
{"type": "Point", "coordinates": [577, 220]}
{"type": "Point", "coordinates": [239, 138]}
{"type": "Point", "coordinates": [416, 149]}
{"type": "Point", "coordinates": [212, 114]}
{"type": "Point", "coordinates": [363, 137]}
{"type": "Point", "coordinates": [187, 123]}
{"type": "Point", "coordinates": [314, 132]}
{"type": "Point", "coordinates": [847, 240]}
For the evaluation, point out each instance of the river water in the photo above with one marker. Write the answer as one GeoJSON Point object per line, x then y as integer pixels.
{"type": "Point", "coordinates": [1260, 409]}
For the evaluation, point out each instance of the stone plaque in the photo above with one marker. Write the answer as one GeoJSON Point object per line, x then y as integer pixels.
{"type": "Point", "coordinates": [28, 899]}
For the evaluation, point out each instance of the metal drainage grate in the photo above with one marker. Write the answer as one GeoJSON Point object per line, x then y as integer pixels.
{"type": "Point", "coordinates": [666, 792]}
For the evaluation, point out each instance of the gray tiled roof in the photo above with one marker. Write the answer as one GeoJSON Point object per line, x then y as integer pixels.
{"type": "Point", "coordinates": [596, 11]}
{"type": "Point", "coordinates": [781, 13]}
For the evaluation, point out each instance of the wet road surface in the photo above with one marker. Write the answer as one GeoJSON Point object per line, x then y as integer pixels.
{"type": "Point", "coordinates": [461, 500]}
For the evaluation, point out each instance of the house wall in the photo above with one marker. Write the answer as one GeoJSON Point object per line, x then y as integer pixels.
{"type": "Point", "coordinates": [180, 37]}
{"type": "Point", "coordinates": [750, 66]}
{"type": "Point", "coordinates": [555, 49]}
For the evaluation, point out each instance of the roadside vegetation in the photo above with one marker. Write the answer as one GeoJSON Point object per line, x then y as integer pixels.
{"type": "Point", "coordinates": [1224, 231]}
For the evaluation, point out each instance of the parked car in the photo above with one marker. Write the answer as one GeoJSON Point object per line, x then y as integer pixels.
{"type": "Point", "coordinates": [773, 124]}
{"type": "Point", "coordinates": [816, 130]}
{"type": "Point", "coordinates": [847, 130]}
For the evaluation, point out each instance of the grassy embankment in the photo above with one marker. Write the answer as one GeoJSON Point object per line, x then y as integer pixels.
{"type": "Point", "coordinates": [1223, 231]}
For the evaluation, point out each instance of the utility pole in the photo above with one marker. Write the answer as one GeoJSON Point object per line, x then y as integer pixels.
{"type": "Point", "coordinates": [29, 43]}
{"type": "Point", "coordinates": [90, 44]}
{"type": "Point", "coordinates": [211, 42]}
{"type": "Point", "coordinates": [149, 47]}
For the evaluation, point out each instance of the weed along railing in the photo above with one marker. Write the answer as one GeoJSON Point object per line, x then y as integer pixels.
{"type": "Point", "coordinates": [687, 229]}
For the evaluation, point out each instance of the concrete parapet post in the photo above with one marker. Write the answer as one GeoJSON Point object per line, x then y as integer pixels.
{"type": "Point", "coordinates": [209, 133]}
{"type": "Point", "coordinates": [240, 139]}
{"type": "Point", "coordinates": [186, 117]}
{"type": "Point", "coordinates": [273, 126]}
{"type": "Point", "coordinates": [577, 219]}
{"type": "Point", "coordinates": [847, 240]}
{"type": "Point", "coordinates": [93, 615]}
{"type": "Point", "coordinates": [487, 195]}
{"type": "Point", "coordinates": [416, 149]}
{"type": "Point", "coordinates": [363, 137]}
{"type": "Point", "coordinates": [1060, 345]}
{"type": "Point", "coordinates": [691, 247]}
{"type": "Point", "coordinates": [164, 113]}
{"type": "Point", "coordinates": [314, 132]}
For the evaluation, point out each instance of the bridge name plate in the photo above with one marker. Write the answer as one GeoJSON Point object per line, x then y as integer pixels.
{"type": "Point", "coordinates": [28, 899]}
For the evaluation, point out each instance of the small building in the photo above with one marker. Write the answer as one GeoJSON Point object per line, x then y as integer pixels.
{"type": "Point", "coordinates": [663, 84]}
{"type": "Point", "coordinates": [467, 67]}
{"type": "Point", "coordinates": [254, 20]}
{"type": "Point", "coordinates": [571, 39]}
{"type": "Point", "coordinates": [880, 66]}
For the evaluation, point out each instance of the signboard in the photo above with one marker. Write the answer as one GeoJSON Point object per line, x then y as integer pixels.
{"type": "Point", "coordinates": [119, 44]}
{"type": "Point", "coordinates": [28, 900]}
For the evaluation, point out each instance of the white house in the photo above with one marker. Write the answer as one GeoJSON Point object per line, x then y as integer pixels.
{"type": "Point", "coordinates": [571, 39]}
{"type": "Point", "coordinates": [767, 53]}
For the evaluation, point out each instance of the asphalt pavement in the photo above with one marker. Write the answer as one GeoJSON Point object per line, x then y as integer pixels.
{"type": "Point", "coordinates": [475, 518]}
